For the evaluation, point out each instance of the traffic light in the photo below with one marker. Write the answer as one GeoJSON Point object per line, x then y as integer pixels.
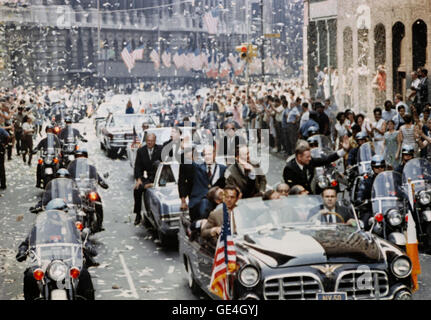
{"type": "Point", "coordinates": [247, 51]}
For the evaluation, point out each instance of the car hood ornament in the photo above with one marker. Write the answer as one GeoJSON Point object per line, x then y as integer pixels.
{"type": "Point", "coordinates": [327, 269]}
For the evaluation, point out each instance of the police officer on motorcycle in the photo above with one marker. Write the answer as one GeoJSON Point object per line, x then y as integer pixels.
{"type": "Point", "coordinates": [83, 153]}
{"type": "Point", "coordinates": [31, 289]}
{"type": "Point", "coordinates": [65, 132]}
{"type": "Point", "coordinates": [43, 144]}
{"type": "Point", "coordinates": [407, 153]}
{"type": "Point", "coordinates": [361, 138]}
{"type": "Point", "coordinates": [378, 165]}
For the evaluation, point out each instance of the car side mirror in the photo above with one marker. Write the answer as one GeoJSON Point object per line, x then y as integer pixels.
{"type": "Point", "coordinates": [106, 175]}
{"type": "Point", "coordinates": [85, 133]}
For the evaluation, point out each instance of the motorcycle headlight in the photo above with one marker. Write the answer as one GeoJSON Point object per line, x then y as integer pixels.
{"type": "Point", "coordinates": [401, 267]}
{"type": "Point", "coordinates": [249, 276]}
{"type": "Point", "coordinates": [424, 198]}
{"type": "Point", "coordinates": [322, 182]}
{"type": "Point", "coordinates": [57, 270]}
{"type": "Point", "coordinates": [394, 217]}
{"type": "Point", "coordinates": [48, 160]}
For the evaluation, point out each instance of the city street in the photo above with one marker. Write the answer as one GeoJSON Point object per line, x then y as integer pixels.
{"type": "Point", "coordinates": [132, 264]}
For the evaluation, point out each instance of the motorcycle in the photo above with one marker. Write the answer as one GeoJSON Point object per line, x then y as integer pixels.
{"type": "Point", "coordinates": [67, 190]}
{"type": "Point", "coordinates": [362, 170]}
{"type": "Point", "coordinates": [388, 208]}
{"type": "Point", "coordinates": [69, 146]}
{"type": "Point", "coordinates": [56, 253]}
{"type": "Point", "coordinates": [86, 181]}
{"type": "Point", "coordinates": [327, 176]}
{"type": "Point", "coordinates": [49, 161]}
{"type": "Point", "coordinates": [417, 183]}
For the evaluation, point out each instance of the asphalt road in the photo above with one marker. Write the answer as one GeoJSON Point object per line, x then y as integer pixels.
{"type": "Point", "coordinates": [132, 263]}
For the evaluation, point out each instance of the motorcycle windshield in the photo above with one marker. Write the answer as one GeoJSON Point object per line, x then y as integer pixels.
{"type": "Point", "coordinates": [386, 193]}
{"type": "Point", "coordinates": [317, 153]}
{"type": "Point", "coordinates": [62, 188]}
{"type": "Point", "coordinates": [365, 154]}
{"type": "Point", "coordinates": [419, 172]}
{"type": "Point", "coordinates": [70, 137]}
{"type": "Point", "coordinates": [50, 144]}
{"type": "Point", "coordinates": [84, 175]}
{"type": "Point", "coordinates": [323, 141]}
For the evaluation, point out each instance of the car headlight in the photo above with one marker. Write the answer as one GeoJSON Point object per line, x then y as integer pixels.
{"type": "Point", "coordinates": [249, 276]}
{"type": "Point", "coordinates": [57, 270]}
{"type": "Point", "coordinates": [322, 182]}
{"type": "Point", "coordinates": [401, 267]}
{"type": "Point", "coordinates": [394, 217]}
{"type": "Point", "coordinates": [424, 198]}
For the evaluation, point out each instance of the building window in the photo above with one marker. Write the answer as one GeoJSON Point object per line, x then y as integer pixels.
{"type": "Point", "coordinates": [419, 31]}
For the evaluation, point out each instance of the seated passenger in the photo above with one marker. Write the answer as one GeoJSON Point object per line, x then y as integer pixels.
{"type": "Point", "coordinates": [271, 195]}
{"type": "Point", "coordinates": [329, 207]}
{"type": "Point", "coordinates": [298, 190]}
{"type": "Point", "coordinates": [283, 189]}
{"type": "Point", "coordinates": [212, 229]}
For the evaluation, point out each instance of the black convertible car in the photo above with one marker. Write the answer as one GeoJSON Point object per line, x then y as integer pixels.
{"type": "Point", "coordinates": [284, 252]}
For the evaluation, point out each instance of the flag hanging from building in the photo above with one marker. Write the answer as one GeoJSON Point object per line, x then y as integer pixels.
{"type": "Point", "coordinates": [155, 57]}
{"type": "Point", "coordinates": [166, 58]}
{"type": "Point", "coordinates": [138, 53]}
{"type": "Point", "coordinates": [224, 68]}
{"type": "Point", "coordinates": [224, 259]}
{"type": "Point", "coordinates": [127, 57]}
{"type": "Point", "coordinates": [197, 61]}
{"type": "Point", "coordinates": [211, 21]}
{"type": "Point", "coordinates": [176, 59]}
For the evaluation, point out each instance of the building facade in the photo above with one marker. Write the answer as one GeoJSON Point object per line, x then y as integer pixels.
{"type": "Point", "coordinates": [360, 36]}
{"type": "Point", "coordinates": [59, 42]}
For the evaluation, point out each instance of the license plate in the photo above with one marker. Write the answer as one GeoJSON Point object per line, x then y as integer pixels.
{"type": "Point", "coordinates": [335, 296]}
{"type": "Point", "coordinates": [49, 171]}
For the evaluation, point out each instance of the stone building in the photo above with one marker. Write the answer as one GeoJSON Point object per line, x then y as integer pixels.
{"type": "Point", "coordinates": [55, 42]}
{"type": "Point", "coordinates": [358, 36]}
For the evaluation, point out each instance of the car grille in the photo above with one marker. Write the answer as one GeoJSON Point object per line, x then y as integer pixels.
{"type": "Point", "coordinates": [360, 285]}
{"type": "Point", "coordinates": [292, 287]}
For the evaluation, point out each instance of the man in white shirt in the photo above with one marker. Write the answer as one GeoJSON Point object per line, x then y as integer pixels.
{"type": "Point", "coordinates": [399, 102]}
{"type": "Point", "coordinates": [389, 113]}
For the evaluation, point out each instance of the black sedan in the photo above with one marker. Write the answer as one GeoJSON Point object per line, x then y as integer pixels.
{"type": "Point", "coordinates": [284, 252]}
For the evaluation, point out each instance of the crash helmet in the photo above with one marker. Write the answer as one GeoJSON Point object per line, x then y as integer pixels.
{"type": "Point", "coordinates": [63, 173]}
{"type": "Point", "coordinates": [81, 152]}
{"type": "Point", "coordinates": [361, 136]}
{"type": "Point", "coordinates": [313, 141]}
{"type": "Point", "coordinates": [408, 149]}
{"type": "Point", "coordinates": [56, 204]}
{"type": "Point", "coordinates": [312, 131]}
{"type": "Point", "coordinates": [378, 161]}
{"type": "Point", "coordinates": [68, 119]}
{"type": "Point", "coordinates": [49, 127]}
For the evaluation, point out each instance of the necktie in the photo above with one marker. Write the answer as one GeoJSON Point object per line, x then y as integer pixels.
{"type": "Point", "coordinates": [209, 173]}
{"type": "Point", "coordinates": [150, 152]}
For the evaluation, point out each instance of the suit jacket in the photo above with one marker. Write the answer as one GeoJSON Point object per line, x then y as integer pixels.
{"type": "Point", "coordinates": [144, 163]}
{"type": "Point", "coordinates": [249, 187]}
{"type": "Point", "coordinates": [215, 219]}
{"type": "Point", "coordinates": [185, 180]}
{"type": "Point", "coordinates": [201, 184]}
{"type": "Point", "coordinates": [229, 145]}
{"type": "Point", "coordinates": [340, 209]}
{"type": "Point", "coordinates": [293, 175]}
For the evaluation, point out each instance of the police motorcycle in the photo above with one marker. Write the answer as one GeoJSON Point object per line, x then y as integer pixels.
{"type": "Point", "coordinates": [49, 160]}
{"type": "Point", "coordinates": [57, 262]}
{"type": "Point", "coordinates": [416, 181]}
{"type": "Point", "coordinates": [69, 147]}
{"type": "Point", "coordinates": [87, 180]}
{"type": "Point", "coordinates": [388, 207]}
{"type": "Point", "coordinates": [362, 170]}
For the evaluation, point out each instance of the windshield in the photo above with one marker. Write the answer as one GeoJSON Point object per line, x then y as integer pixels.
{"type": "Point", "coordinates": [70, 137]}
{"type": "Point", "coordinates": [419, 172]}
{"type": "Point", "coordinates": [63, 188]}
{"type": "Point", "coordinates": [50, 143]}
{"type": "Point", "coordinates": [169, 174]}
{"type": "Point", "coordinates": [323, 141]}
{"type": "Point", "coordinates": [54, 227]}
{"type": "Point", "coordinates": [254, 214]}
{"type": "Point", "coordinates": [365, 154]}
{"type": "Point", "coordinates": [84, 174]}
{"type": "Point", "coordinates": [386, 192]}
{"type": "Point", "coordinates": [131, 121]}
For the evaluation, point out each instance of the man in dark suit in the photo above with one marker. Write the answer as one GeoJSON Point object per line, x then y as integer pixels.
{"type": "Point", "coordinates": [146, 161]}
{"type": "Point", "coordinates": [205, 176]}
{"type": "Point", "coordinates": [300, 170]}
{"type": "Point", "coordinates": [231, 140]}
{"type": "Point", "coordinates": [325, 211]}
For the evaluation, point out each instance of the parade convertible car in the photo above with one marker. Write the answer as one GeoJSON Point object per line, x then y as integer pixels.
{"type": "Point", "coordinates": [282, 254]}
{"type": "Point", "coordinates": [118, 131]}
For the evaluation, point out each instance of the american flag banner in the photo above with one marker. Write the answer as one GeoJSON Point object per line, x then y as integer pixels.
{"type": "Point", "coordinates": [208, 70]}
{"type": "Point", "coordinates": [138, 53]}
{"type": "Point", "coordinates": [188, 60]}
{"type": "Point", "coordinates": [155, 57]}
{"type": "Point", "coordinates": [127, 57]}
{"type": "Point", "coordinates": [224, 259]}
{"type": "Point", "coordinates": [177, 60]}
{"type": "Point", "coordinates": [211, 21]}
{"type": "Point", "coordinates": [224, 68]}
{"type": "Point", "coordinates": [215, 67]}
{"type": "Point", "coordinates": [166, 58]}
{"type": "Point", "coordinates": [204, 59]}
{"type": "Point", "coordinates": [197, 62]}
